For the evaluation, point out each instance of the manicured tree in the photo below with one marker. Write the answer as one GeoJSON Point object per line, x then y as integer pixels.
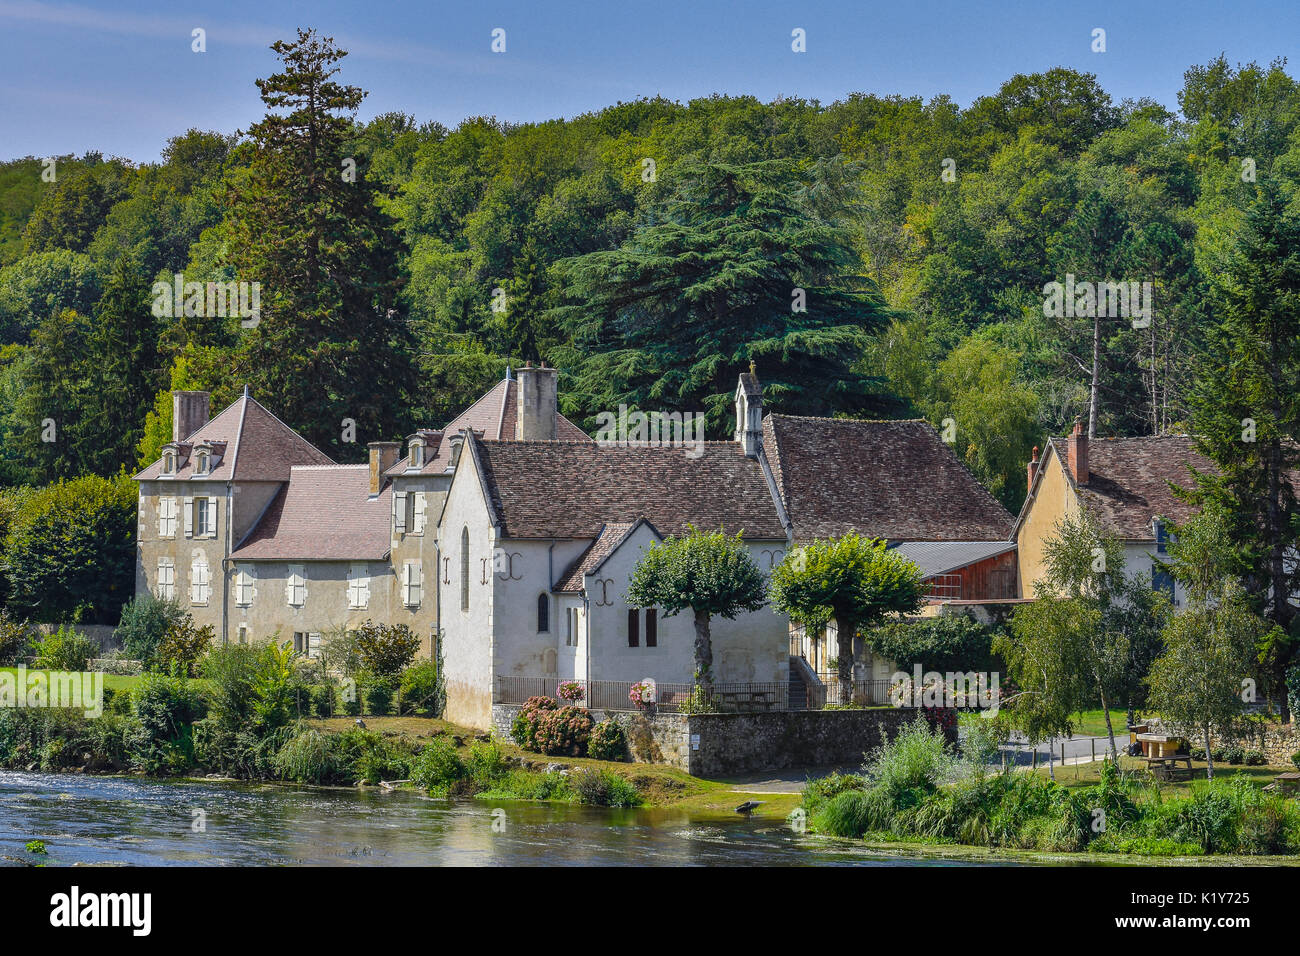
{"type": "Point", "coordinates": [1199, 680]}
{"type": "Point", "coordinates": [707, 572]}
{"type": "Point", "coordinates": [857, 581]}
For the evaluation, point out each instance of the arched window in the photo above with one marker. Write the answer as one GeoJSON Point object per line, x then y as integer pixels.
{"type": "Point", "coordinates": [543, 613]}
{"type": "Point", "coordinates": [202, 463]}
{"type": "Point", "coordinates": [417, 454]}
{"type": "Point", "coordinates": [464, 569]}
{"type": "Point", "coordinates": [169, 464]}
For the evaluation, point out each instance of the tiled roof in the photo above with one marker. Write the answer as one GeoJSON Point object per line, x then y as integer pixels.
{"type": "Point", "coordinates": [565, 489]}
{"type": "Point", "coordinates": [493, 416]}
{"type": "Point", "coordinates": [611, 536]}
{"type": "Point", "coordinates": [887, 479]}
{"type": "Point", "coordinates": [324, 513]}
{"type": "Point", "coordinates": [1128, 480]}
{"type": "Point", "coordinates": [258, 447]}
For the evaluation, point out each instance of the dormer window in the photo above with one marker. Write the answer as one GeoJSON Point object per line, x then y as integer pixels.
{"type": "Point", "coordinates": [169, 463]}
{"type": "Point", "coordinates": [417, 453]}
{"type": "Point", "coordinates": [202, 463]}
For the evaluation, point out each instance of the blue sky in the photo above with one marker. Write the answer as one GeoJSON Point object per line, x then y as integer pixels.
{"type": "Point", "coordinates": [120, 76]}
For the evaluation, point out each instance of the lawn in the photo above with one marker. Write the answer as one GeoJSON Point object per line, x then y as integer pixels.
{"type": "Point", "coordinates": [113, 682]}
{"type": "Point", "coordinates": [1089, 774]}
{"type": "Point", "coordinates": [1092, 723]}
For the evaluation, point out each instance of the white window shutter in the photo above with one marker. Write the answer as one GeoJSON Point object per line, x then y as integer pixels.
{"type": "Point", "coordinates": [189, 517]}
{"type": "Point", "coordinates": [212, 517]}
{"type": "Point", "coordinates": [399, 512]}
{"type": "Point", "coordinates": [421, 504]}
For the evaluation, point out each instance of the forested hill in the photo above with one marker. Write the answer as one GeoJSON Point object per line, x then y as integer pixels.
{"type": "Point", "coordinates": [877, 256]}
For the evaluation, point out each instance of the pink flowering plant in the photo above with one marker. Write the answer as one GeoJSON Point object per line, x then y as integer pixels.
{"type": "Point", "coordinates": [642, 693]}
{"type": "Point", "coordinates": [570, 690]}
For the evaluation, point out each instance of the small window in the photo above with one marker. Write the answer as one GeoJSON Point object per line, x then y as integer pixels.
{"type": "Point", "coordinates": [242, 636]}
{"type": "Point", "coordinates": [633, 627]}
{"type": "Point", "coordinates": [417, 454]}
{"type": "Point", "coordinates": [169, 464]}
{"type": "Point", "coordinates": [167, 517]}
{"type": "Point", "coordinates": [295, 588]}
{"type": "Point", "coordinates": [651, 627]}
{"type": "Point", "coordinates": [464, 568]}
{"type": "Point", "coordinates": [300, 645]}
{"type": "Point", "coordinates": [244, 586]}
{"type": "Point", "coordinates": [358, 586]}
{"type": "Point", "coordinates": [411, 584]}
{"type": "Point", "coordinates": [543, 614]}
{"type": "Point", "coordinates": [201, 463]}
{"type": "Point", "coordinates": [202, 518]}
{"type": "Point", "coordinates": [571, 627]}
{"type": "Point", "coordinates": [1162, 581]}
{"type": "Point", "coordinates": [166, 580]}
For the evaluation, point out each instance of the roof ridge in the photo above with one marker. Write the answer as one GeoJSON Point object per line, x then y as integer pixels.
{"type": "Point", "coordinates": [872, 421]}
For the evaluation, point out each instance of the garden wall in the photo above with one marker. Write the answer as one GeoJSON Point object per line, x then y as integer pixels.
{"type": "Point", "coordinates": [721, 745]}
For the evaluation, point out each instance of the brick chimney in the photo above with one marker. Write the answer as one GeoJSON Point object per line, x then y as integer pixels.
{"type": "Point", "coordinates": [1033, 467]}
{"type": "Point", "coordinates": [749, 412]}
{"type": "Point", "coordinates": [190, 412]}
{"type": "Point", "coordinates": [1077, 452]}
{"type": "Point", "coordinates": [383, 455]}
{"type": "Point", "coordinates": [535, 401]}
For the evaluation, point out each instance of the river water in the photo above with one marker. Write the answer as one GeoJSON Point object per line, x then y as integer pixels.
{"type": "Point", "coordinates": [133, 821]}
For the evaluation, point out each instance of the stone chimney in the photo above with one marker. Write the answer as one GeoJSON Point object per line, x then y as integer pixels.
{"type": "Point", "coordinates": [535, 401]}
{"type": "Point", "coordinates": [749, 412]}
{"type": "Point", "coordinates": [383, 455]}
{"type": "Point", "coordinates": [1033, 468]}
{"type": "Point", "coordinates": [190, 412]}
{"type": "Point", "coordinates": [1077, 452]}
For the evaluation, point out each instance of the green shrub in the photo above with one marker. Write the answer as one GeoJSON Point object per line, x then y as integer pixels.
{"type": "Point", "coordinates": [183, 646]}
{"type": "Point", "coordinates": [165, 708]}
{"type": "Point", "coordinates": [422, 689]}
{"type": "Point", "coordinates": [848, 814]}
{"type": "Point", "coordinates": [322, 700]}
{"type": "Point", "coordinates": [385, 648]}
{"type": "Point", "coordinates": [817, 792]}
{"type": "Point", "coordinates": [601, 788]}
{"type": "Point", "coordinates": [1295, 759]}
{"type": "Point", "coordinates": [524, 727]}
{"type": "Point", "coordinates": [1263, 829]}
{"type": "Point", "coordinates": [310, 756]}
{"type": "Point", "coordinates": [17, 640]}
{"type": "Point", "coordinates": [145, 622]}
{"type": "Point", "coordinates": [608, 741]}
{"type": "Point", "coordinates": [918, 759]}
{"type": "Point", "coordinates": [372, 757]}
{"type": "Point", "coordinates": [564, 732]}
{"type": "Point", "coordinates": [378, 693]}
{"type": "Point", "coordinates": [438, 766]}
{"type": "Point", "coordinates": [66, 650]}
{"type": "Point", "coordinates": [1255, 758]}
{"type": "Point", "coordinates": [486, 764]}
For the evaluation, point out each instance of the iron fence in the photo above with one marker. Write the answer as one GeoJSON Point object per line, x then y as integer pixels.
{"type": "Point", "coordinates": [730, 697]}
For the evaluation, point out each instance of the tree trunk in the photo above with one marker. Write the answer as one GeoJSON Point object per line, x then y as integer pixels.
{"type": "Point", "coordinates": [1096, 376]}
{"type": "Point", "coordinates": [1209, 758]}
{"type": "Point", "coordinates": [703, 653]}
{"type": "Point", "coordinates": [1051, 761]}
{"type": "Point", "coordinates": [1110, 731]}
{"type": "Point", "coordinates": [844, 665]}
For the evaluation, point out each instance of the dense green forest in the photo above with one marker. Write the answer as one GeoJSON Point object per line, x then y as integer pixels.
{"type": "Point", "coordinates": [876, 256]}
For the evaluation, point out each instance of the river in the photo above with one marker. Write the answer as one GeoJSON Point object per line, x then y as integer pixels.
{"type": "Point", "coordinates": [134, 821]}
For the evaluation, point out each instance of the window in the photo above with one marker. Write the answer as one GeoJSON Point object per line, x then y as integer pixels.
{"type": "Point", "coordinates": [201, 463]}
{"type": "Point", "coordinates": [167, 517]}
{"type": "Point", "coordinates": [245, 578]}
{"type": "Point", "coordinates": [411, 584]}
{"type": "Point", "coordinates": [399, 512]}
{"type": "Point", "coordinates": [543, 614]}
{"type": "Point", "coordinates": [295, 588]}
{"type": "Point", "coordinates": [306, 643]}
{"type": "Point", "coordinates": [464, 568]}
{"type": "Point", "coordinates": [300, 645]}
{"type": "Point", "coordinates": [417, 454]}
{"type": "Point", "coordinates": [200, 517]}
{"type": "Point", "coordinates": [169, 463]}
{"type": "Point", "coordinates": [200, 579]}
{"type": "Point", "coordinates": [419, 505]}
{"type": "Point", "coordinates": [633, 627]}
{"type": "Point", "coordinates": [1162, 581]}
{"type": "Point", "coordinates": [242, 634]}
{"type": "Point", "coordinates": [1162, 537]}
{"type": "Point", "coordinates": [359, 586]}
{"type": "Point", "coordinates": [651, 627]}
{"type": "Point", "coordinates": [571, 627]}
{"type": "Point", "coordinates": [166, 579]}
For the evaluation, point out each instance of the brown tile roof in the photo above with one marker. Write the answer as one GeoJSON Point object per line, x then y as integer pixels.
{"type": "Point", "coordinates": [1128, 480]}
{"type": "Point", "coordinates": [888, 479]}
{"type": "Point", "coordinates": [565, 489]}
{"type": "Point", "coordinates": [611, 536]}
{"type": "Point", "coordinates": [324, 513]}
{"type": "Point", "coordinates": [258, 447]}
{"type": "Point", "coordinates": [494, 416]}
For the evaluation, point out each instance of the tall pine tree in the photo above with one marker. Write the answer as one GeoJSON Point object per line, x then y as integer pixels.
{"type": "Point", "coordinates": [330, 344]}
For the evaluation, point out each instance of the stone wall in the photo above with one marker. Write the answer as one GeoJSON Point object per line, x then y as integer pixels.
{"type": "Point", "coordinates": [1277, 741]}
{"type": "Point", "coordinates": [722, 745]}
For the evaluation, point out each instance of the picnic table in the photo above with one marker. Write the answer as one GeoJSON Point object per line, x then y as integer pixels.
{"type": "Point", "coordinates": [1287, 781]}
{"type": "Point", "coordinates": [1166, 767]}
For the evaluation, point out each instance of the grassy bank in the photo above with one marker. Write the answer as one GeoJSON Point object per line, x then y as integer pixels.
{"type": "Point", "coordinates": [916, 790]}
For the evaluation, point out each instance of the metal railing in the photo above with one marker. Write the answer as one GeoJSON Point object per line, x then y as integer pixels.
{"type": "Point", "coordinates": [730, 697]}
{"type": "Point", "coordinates": [865, 693]}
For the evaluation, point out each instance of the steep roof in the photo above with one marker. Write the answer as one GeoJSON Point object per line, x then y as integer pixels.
{"type": "Point", "coordinates": [941, 557]}
{"type": "Point", "coordinates": [1128, 480]}
{"type": "Point", "coordinates": [258, 447]}
{"type": "Point", "coordinates": [887, 479]}
{"type": "Point", "coordinates": [493, 416]}
{"type": "Point", "coordinates": [324, 513]}
{"type": "Point", "coordinates": [611, 536]}
{"type": "Point", "coordinates": [567, 489]}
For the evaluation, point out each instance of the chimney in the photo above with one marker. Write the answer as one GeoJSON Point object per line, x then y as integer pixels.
{"type": "Point", "coordinates": [535, 399]}
{"type": "Point", "coordinates": [189, 413]}
{"type": "Point", "coordinates": [1077, 450]}
{"type": "Point", "coordinates": [1033, 468]}
{"type": "Point", "coordinates": [749, 412]}
{"type": "Point", "coordinates": [383, 455]}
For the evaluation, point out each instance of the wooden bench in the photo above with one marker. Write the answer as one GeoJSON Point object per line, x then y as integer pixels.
{"type": "Point", "coordinates": [1288, 781]}
{"type": "Point", "coordinates": [1166, 767]}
